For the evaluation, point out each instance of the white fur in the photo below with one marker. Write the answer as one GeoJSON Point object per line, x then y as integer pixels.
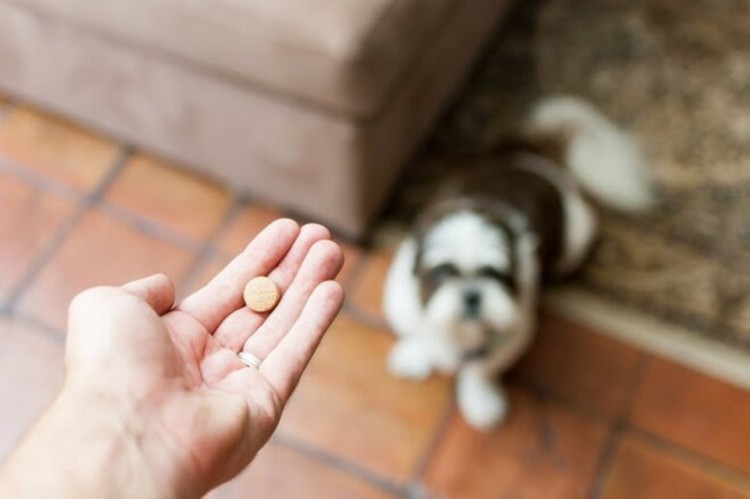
{"type": "Point", "coordinates": [604, 159]}
{"type": "Point", "coordinates": [403, 311]}
{"type": "Point", "coordinates": [480, 400]}
{"type": "Point", "coordinates": [410, 359]}
{"type": "Point", "coordinates": [466, 241]}
{"type": "Point", "coordinates": [503, 357]}
{"type": "Point", "coordinates": [401, 291]}
{"type": "Point", "coordinates": [433, 337]}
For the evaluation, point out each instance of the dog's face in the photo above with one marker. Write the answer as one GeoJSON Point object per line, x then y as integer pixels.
{"type": "Point", "coordinates": [468, 279]}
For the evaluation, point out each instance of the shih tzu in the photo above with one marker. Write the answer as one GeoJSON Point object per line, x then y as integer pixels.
{"type": "Point", "coordinates": [462, 291]}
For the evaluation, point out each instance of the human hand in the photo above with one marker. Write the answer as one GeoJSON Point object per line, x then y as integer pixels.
{"type": "Point", "coordinates": [166, 378]}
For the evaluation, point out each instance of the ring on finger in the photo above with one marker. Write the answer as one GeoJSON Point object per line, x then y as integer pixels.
{"type": "Point", "coordinates": [249, 359]}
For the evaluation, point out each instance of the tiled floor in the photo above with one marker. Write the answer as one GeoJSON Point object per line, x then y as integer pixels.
{"type": "Point", "coordinates": [590, 417]}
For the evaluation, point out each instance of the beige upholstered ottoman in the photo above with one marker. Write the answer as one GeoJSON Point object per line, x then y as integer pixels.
{"type": "Point", "coordinates": [311, 104]}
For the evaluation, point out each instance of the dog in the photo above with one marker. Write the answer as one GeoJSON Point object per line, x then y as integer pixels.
{"type": "Point", "coordinates": [461, 293]}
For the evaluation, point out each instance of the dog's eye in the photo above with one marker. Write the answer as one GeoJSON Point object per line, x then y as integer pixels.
{"type": "Point", "coordinates": [490, 273]}
{"type": "Point", "coordinates": [443, 272]}
{"type": "Point", "coordinates": [496, 275]}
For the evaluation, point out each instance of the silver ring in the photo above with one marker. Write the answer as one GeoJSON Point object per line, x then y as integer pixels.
{"type": "Point", "coordinates": [249, 359]}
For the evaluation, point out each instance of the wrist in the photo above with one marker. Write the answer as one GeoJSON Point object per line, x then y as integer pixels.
{"type": "Point", "coordinates": [85, 446]}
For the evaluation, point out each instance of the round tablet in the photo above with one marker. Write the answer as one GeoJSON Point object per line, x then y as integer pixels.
{"type": "Point", "coordinates": [261, 294]}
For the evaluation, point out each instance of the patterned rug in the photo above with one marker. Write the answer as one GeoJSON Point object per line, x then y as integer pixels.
{"type": "Point", "coordinates": [677, 74]}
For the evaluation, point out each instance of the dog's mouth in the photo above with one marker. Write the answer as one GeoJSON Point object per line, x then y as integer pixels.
{"type": "Point", "coordinates": [484, 348]}
{"type": "Point", "coordinates": [476, 339]}
{"type": "Point", "coordinates": [476, 353]}
{"type": "Point", "coordinates": [477, 345]}
{"type": "Point", "coordinates": [471, 333]}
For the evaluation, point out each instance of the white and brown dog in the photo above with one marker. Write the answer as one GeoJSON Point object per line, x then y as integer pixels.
{"type": "Point", "coordinates": [463, 288]}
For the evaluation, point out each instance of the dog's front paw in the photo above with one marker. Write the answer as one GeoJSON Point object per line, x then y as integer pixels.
{"type": "Point", "coordinates": [409, 360]}
{"type": "Point", "coordinates": [482, 404]}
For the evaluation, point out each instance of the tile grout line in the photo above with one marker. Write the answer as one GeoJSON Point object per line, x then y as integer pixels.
{"type": "Point", "coordinates": [357, 271]}
{"type": "Point", "coordinates": [606, 459]}
{"type": "Point", "coordinates": [415, 485]}
{"type": "Point", "coordinates": [365, 317]}
{"type": "Point", "coordinates": [40, 182]}
{"type": "Point", "coordinates": [41, 259]}
{"type": "Point", "coordinates": [146, 226]}
{"type": "Point", "coordinates": [42, 329]}
{"type": "Point", "coordinates": [208, 249]}
{"type": "Point", "coordinates": [349, 284]}
{"type": "Point", "coordinates": [566, 402]}
{"type": "Point", "coordinates": [620, 426]}
{"type": "Point", "coordinates": [56, 241]}
{"type": "Point", "coordinates": [626, 411]}
{"type": "Point", "coordinates": [344, 465]}
{"type": "Point", "coordinates": [713, 467]}
{"type": "Point", "coordinates": [142, 224]}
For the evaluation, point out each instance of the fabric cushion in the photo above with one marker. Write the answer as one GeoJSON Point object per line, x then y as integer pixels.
{"type": "Point", "coordinates": [344, 56]}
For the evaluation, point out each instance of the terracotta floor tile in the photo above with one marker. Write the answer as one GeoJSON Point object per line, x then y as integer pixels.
{"type": "Point", "coordinates": [349, 405]}
{"type": "Point", "coordinates": [29, 219]}
{"type": "Point", "coordinates": [56, 149]}
{"type": "Point", "coordinates": [252, 219]}
{"type": "Point", "coordinates": [352, 256]}
{"type": "Point", "coordinates": [696, 412]}
{"type": "Point", "coordinates": [542, 451]}
{"type": "Point", "coordinates": [31, 374]}
{"type": "Point", "coordinates": [169, 196]}
{"type": "Point", "coordinates": [643, 471]}
{"type": "Point", "coordinates": [279, 472]}
{"type": "Point", "coordinates": [205, 272]}
{"type": "Point", "coordinates": [578, 364]}
{"type": "Point", "coordinates": [99, 250]}
{"type": "Point", "coordinates": [367, 289]}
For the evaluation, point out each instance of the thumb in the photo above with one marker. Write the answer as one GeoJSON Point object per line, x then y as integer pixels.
{"type": "Point", "coordinates": [118, 330]}
{"type": "Point", "coordinates": [156, 290]}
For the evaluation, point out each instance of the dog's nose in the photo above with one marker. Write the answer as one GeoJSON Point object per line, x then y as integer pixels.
{"type": "Point", "coordinates": [472, 303]}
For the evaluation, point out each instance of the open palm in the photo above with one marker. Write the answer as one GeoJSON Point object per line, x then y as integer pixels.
{"type": "Point", "coordinates": [173, 370]}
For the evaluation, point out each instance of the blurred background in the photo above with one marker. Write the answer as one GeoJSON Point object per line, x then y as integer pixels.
{"type": "Point", "coordinates": [161, 138]}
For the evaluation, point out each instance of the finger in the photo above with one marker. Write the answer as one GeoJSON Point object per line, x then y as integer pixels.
{"type": "Point", "coordinates": [322, 264]}
{"type": "Point", "coordinates": [211, 304]}
{"type": "Point", "coordinates": [156, 290]}
{"type": "Point", "coordinates": [285, 364]}
{"type": "Point", "coordinates": [289, 266]}
{"type": "Point", "coordinates": [235, 330]}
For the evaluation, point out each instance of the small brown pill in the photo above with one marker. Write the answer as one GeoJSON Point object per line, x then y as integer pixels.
{"type": "Point", "coordinates": [261, 294]}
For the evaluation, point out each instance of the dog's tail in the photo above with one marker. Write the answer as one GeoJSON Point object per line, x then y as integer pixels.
{"type": "Point", "coordinates": [604, 159]}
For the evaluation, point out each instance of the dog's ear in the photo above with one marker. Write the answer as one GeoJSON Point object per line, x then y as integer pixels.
{"type": "Point", "coordinates": [527, 250]}
{"type": "Point", "coordinates": [527, 244]}
{"type": "Point", "coordinates": [419, 233]}
{"type": "Point", "coordinates": [417, 263]}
